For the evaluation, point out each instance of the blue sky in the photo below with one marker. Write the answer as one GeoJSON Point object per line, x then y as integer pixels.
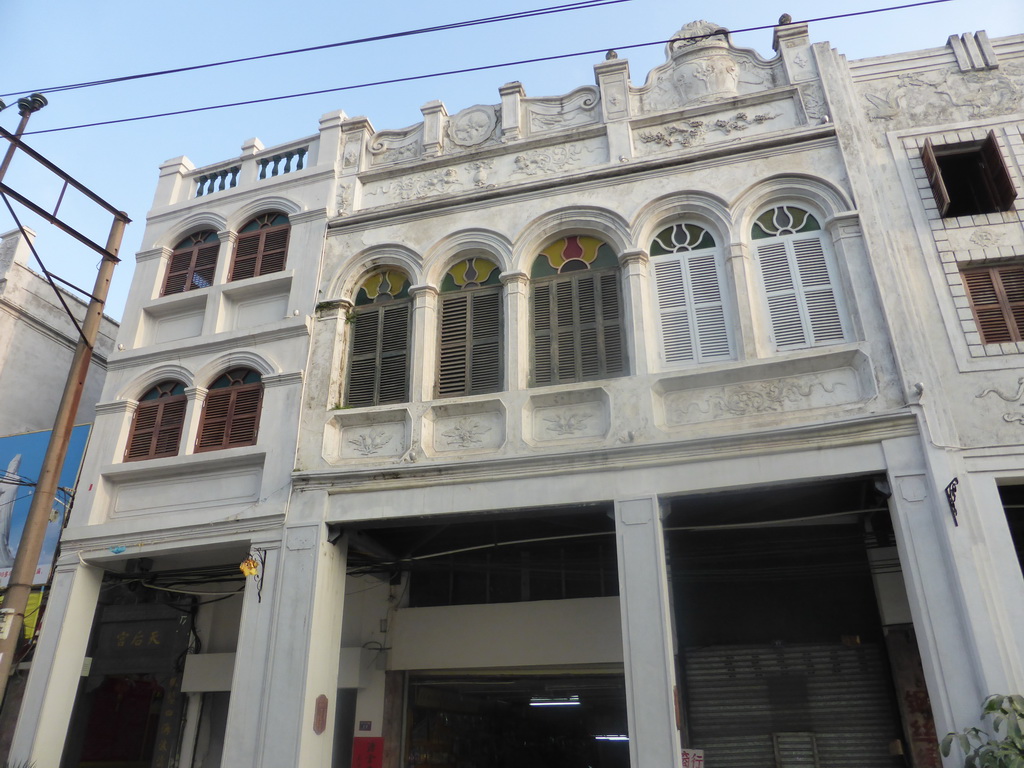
{"type": "Point", "coordinates": [66, 41]}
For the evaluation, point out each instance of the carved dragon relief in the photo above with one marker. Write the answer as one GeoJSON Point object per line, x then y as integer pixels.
{"type": "Point", "coordinates": [1014, 417]}
{"type": "Point", "coordinates": [946, 95]}
{"type": "Point", "coordinates": [759, 397]}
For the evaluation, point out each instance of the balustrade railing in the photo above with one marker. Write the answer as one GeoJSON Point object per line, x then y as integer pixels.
{"type": "Point", "coordinates": [281, 163]}
{"type": "Point", "coordinates": [216, 180]}
{"type": "Point", "coordinates": [276, 161]}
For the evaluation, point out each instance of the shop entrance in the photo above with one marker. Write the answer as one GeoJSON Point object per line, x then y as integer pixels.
{"type": "Point", "coordinates": [496, 721]}
{"type": "Point", "coordinates": [783, 654]}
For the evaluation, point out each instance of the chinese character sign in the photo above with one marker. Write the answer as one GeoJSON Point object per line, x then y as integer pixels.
{"type": "Point", "coordinates": [368, 752]}
{"type": "Point", "coordinates": [693, 758]}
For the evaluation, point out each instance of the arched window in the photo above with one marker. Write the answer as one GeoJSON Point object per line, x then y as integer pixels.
{"type": "Point", "coordinates": [379, 352]}
{"type": "Point", "coordinates": [193, 263]}
{"type": "Point", "coordinates": [798, 278]}
{"type": "Point", "coordinates": [469, 337]}
{"type": "Point", "coordinates": [156, 427]}
{"type": "Point", "coordinates": [231, 413]}
{"type": "Point", "coordinates": [262, 246]}
{"type": "Point", "coordinates": [577, 313]}
{"type": "Point", "coordinates": [688, 276]}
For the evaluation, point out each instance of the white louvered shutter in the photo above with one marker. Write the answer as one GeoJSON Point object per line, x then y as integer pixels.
{"type": "Point", "coordinates": [800, 291]}
{"type": "Point", "coordinates": [691, 310]}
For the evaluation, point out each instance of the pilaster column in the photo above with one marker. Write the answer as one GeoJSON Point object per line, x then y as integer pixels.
{"type": "Point", "coordinates": [195, 398]}
{"type": "Point", "coordinates": [173, 186]}
{"type": "Point", "coordinates": [434, 114]}
{"type": "Point", "coordinates": [512, 95]}
{"type": "Point", "coordinates": [634, 266]}
{"type": "Point", "coordinates": [612, 77]}
{"type": "Point", "coordinates": [249, 172]}
{"type": "Point", "coordinates": [423, 342]}
{"type": "Point", "coordinates": [966, 648]}
{"type": "Point", "coordinates": [751, 311]}
{"type": "Point", "coordinates": [57, 667]}
{"type": "Point", "coordinates": [518, 337]}
{"type": "Point", "coordinates": [647, 642]}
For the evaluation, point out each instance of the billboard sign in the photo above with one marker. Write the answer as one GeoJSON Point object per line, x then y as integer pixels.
{"type": "Point", "coordinates": [21, 459]}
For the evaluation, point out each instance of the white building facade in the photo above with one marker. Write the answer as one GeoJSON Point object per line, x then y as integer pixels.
{"type": "Point", "coordinates": [598, 429]}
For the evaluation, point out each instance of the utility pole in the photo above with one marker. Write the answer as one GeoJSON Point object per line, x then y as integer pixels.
{"type": "Point", "coordinates": [27, 559]}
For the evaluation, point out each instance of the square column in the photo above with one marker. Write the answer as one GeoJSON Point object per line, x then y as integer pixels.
{"type": "Point", "coordinates": [57, 667]}
{"type": "Point", "coordinates": [284, 689]}
{"type": "Point", "coordinates": [647, 643]}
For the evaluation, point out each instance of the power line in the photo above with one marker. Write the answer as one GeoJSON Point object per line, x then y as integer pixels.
{"type": "Point", "coordinates": [466, 70]}
{"type": "Point", "coordinates": [579, 5]}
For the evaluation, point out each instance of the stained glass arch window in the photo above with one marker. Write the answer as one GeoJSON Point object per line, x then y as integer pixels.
{"type": "Point", "coordinates": [470, 348]}
{"type": "Point", "coordinates": [578, 320]}
{"type": "Point", "coordinates": [379, 329]}
{"type": "Point", "coordinates": [262, 246]}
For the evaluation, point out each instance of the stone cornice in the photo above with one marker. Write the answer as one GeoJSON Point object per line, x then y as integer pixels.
{"type": "Point", "coordinates": [174, 350]}
{"type": "Point", "coordinates": [100, 542]}
{"type": "Point", "coordinates": [856, 431]}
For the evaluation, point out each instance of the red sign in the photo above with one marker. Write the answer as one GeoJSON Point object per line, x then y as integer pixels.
{"type": "Point", "coordinates": [368, 752]}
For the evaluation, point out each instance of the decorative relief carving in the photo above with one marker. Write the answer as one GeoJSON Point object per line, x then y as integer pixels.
{"type": "Point", "coordinates": [465, 433]}
{"type": "Point", "coordinates": [946, 95]}
{"type": "Point", "coordinates": [694, 132]}
{"type": "Point", "coordinates": [576, 108]}
{"type": "Point", "coordinates": [343, 199]}
{"type": "Point", "coordinates": [800, 60]}
{"type": "Point", "coordinates": [481, 169]}
{"type": "Point", "coordinates": [987, 238]}
{"type": "Point", "coordinates": [567, 423]}
{"type": "Point", "coordinates": [761, 397]}
{"type": "Point", "coordinates": [437, 182]}
{"type": "Point", "coordinates": [394, 146]}
{"type": "Point", "coordinates": [703, 66]}
{"type": "Point", "coordinates": [814, 101]}
{"type": "Point", "coordinates": [369, 443]}
{"type": "Point", "coordinates": [351, 155]}
{"type": "Point", "coordinates": [547, 160]}
{"type": "Point", "coordinates": [1010, 418]}
{"type": "Point", "coordinates": [472, 126]}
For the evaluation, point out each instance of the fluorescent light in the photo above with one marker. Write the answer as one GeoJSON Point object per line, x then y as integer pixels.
{"type": "Point", "coordinates": [611, 737]}
{"type": "Point", "coordinates": [564, 701]}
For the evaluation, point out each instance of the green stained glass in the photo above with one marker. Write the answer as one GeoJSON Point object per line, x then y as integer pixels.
{"type": "Point", "coordinates": [471, 273]}
{"type": "Point", "coordinates": [383, 285]}
{"type": "Point", "coordinates": [783, 220]}
{"type": "Point", "coordinates": [681, 237]}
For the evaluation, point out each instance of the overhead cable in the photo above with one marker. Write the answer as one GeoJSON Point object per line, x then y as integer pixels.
{"type": "Point", "coordinates": [580, 5]}
{"type": "Point", "coordinates": [466, 70]}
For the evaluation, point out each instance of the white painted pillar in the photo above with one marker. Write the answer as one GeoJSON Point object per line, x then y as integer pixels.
{"type": "Point", "coordinates": [423, 343]}
{"type": "Point", "coordinates": [517, 330]}
{"type": "Point", "coordinates": [288, 656]}
{"type": "Point", "coordinates": [966, 652]}
{"type": "Point", "coordinates": [57, 667]}
{"type": "Point", "coordinates": [634, 266]}
{"type": "Point", "coordinates": [647, 642]}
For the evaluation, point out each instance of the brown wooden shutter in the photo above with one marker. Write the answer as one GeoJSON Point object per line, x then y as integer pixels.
{"type": "Point", "coordinates": [230, 417]}
{"type": "Point", "coordinates": [247, 251]}
{"type": "Point", "coordinates": [178, 272]}
{"type": "Point", "coordinates": [469, 360]}
{"type": "Point", "coordinates": [997, 298]}
{"type": "Point", "coordinates": [156, 428]}
{"type": "Point", "coordinates": [578, 332]}
{"type": "Point", "coordinates": [379, 360]}
{"type": "Point", "coordinates": [997, 175]}
{"type": "Point", "coordinates": [261, 252]}
{"type": "Point", "coordinates": [934, 174]}
{"type": "Point", "coordinates": [205, 266]}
